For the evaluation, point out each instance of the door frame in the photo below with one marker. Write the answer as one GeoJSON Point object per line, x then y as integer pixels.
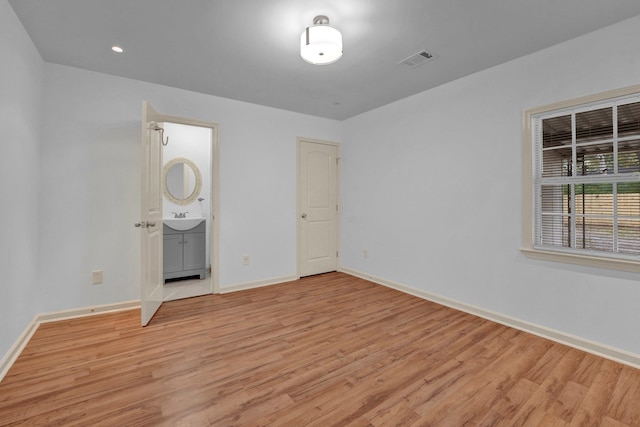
{"type": "Point", "coordinates": [299, 141]}
{"type": "Point", "coordinates": [214, 203]}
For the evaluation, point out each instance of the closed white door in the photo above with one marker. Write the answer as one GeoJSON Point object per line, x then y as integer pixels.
{"type": "Point", "coordinates": [151, 216]}
{"type": "Point", "coordinates": [317, 207]}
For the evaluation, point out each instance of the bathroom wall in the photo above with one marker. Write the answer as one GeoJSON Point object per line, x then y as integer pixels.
{"type": "Point", "coordinates": [431, 188]}
{"type": "Point", "coordinates": [193, 143]}
{"type": "Point", "coordinates": [21, 84]}
{"type": "Point", "coordinates": [90, 184]}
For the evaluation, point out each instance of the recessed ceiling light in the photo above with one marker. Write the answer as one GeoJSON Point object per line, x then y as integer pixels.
{"type": "Point", "coordinates": [117, 49]}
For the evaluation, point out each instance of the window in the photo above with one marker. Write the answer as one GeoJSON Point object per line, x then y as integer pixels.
{"type": "Point", "coordinates": [584, 179]}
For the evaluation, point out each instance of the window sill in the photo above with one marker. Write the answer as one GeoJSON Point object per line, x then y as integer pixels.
{"type": "Point", "coordinates": [585, 260]}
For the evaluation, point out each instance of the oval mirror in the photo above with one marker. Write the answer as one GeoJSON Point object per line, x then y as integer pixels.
{"type": "Point", "coordinates": [182, 181]}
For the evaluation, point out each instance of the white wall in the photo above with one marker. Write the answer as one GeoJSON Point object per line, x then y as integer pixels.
{"type": "Point", "coordinates": [21, 76]}
{"type": "Point", "coordinates": [90, 183]}
{"type": "Point", "coordinates": [431, 184]}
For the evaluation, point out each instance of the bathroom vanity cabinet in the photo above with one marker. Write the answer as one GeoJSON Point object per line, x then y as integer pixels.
{"type": "Point", "coordinates": [185, 252]}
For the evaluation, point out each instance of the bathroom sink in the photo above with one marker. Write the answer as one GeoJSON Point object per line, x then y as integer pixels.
{"type": "Point", "coordinates": [182, 224]}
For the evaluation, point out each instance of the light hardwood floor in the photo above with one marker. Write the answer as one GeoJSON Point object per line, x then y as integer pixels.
{"type": "Point", "coordinates": [329, 350]}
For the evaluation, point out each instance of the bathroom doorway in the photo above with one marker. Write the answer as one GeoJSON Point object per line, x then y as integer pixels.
{"type": "Point", "coordinates": [186, 190]}
{"type": "Point", "coordinates": [189, 200]}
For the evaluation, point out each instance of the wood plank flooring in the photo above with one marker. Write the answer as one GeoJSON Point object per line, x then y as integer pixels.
{"type": "Point", "coordinates": [328, 350]}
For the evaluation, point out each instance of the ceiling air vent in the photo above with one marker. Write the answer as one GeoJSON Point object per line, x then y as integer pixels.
{"type": "Point", "coordinates": [418, 59]}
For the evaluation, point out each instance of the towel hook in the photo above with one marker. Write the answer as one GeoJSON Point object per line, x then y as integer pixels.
{"type": "Point", "coordinates": [155, 126]}
{"type": "Point", "coordinates": [164, 142]}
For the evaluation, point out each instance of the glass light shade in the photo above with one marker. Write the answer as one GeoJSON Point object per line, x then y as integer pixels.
{"type": "Point", "coordinates": [321, 44]}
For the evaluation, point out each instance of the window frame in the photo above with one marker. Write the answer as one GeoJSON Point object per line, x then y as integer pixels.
{"type": "Point", "coordinates": [528, 248]}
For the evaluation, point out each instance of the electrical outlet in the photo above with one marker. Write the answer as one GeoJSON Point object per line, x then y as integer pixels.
{"type": "Point", "coordinates": [97, 277]}
{"type": "Point", "coordinates": [365, 254]}
{"type": "Point", "coordinates": [245, 259]}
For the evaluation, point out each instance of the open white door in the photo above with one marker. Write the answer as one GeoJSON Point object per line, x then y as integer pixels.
{"type": "Point", "coordinates": [151, 215]}
{"type": "Point", "coordinates": [317, 207]}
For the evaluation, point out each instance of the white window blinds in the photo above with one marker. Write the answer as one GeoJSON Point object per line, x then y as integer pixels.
{"type": "Point", "coordinates": [587, 179]}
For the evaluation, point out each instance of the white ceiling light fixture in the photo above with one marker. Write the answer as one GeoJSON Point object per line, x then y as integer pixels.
{"type": "Point", "coordinates": [321, 44]}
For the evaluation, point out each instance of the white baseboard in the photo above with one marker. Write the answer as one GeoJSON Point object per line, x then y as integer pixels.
{"type": "Point", "coordinates": [599, 349]}
{"type": "Point", "coordinates": [54, 316]}
{"type": "Point", "coordinates": [258, 284]}
{"type": "Point", "coordinates": [12, 355]}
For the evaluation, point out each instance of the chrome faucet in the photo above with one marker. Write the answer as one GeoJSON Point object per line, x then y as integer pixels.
{"type": "Point", "coordinates": [180, 214]}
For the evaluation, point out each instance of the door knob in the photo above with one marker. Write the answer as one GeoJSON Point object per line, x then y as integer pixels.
{"type": "Point", "coordinates": [145, 224]}
{"type": "Point", "coordinates": [303, 216]}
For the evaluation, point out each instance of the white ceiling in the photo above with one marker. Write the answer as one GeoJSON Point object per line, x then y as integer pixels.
{"type": "Point", "coordinates": [249, 49]}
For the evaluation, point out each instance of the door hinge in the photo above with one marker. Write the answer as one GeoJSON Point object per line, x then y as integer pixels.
{"type": "Point", "coordinates": [337, 254]}
{"type": "Point", "coordinates": [336, 208]}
